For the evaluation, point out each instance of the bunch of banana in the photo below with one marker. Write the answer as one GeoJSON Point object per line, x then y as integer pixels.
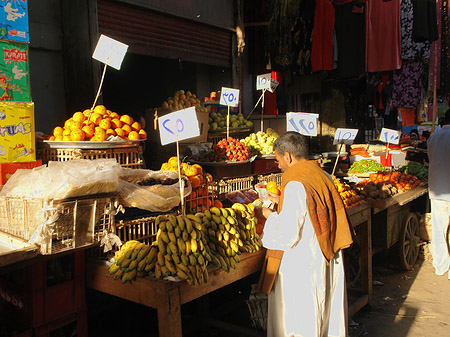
{"type": "Point", "coordinates": [131, 260]}
{"type": "Point", "coordinates": [226, 239]}
{"type": "Point", "coordinates": [181, 248]}
{"type": "Point", "coordinates": [247, 221]}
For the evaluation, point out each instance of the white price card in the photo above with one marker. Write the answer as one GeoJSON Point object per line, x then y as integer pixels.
{"type": "Point", "coordinates": [390, 136]}
{"type": "Point", "coordinates": [229, 96]}
{"type": "Point", "coordinates": [110, 51]}
{"type": "Point", "coordinates": [345, 136]}
{"type": "Point", "coordinates": [273, 85]}
{"type": "Point", "coordinates": [263, 81]}
{"type": "Point", "coordinates": [181, 123]}
{"type": "Point", "coordinates": [302, 122]}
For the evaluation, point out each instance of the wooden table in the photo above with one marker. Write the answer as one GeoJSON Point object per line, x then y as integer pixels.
{"type": "Point", "coordinates": [360, 216]}
{"type": "Point", "coordinates": [166, 296]}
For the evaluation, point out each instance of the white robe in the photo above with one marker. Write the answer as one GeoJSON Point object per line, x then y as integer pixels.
{"type": "Point", "coordinates": [308, 297]}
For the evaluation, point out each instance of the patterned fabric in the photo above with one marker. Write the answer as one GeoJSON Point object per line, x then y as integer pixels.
{"type": "Point", "coordinates": [445, 52]}
{"type": "Point", "coordinates": [407, 91]}
{"type": "Point", "coordinates": [411, 50]}
{"type": "Point", "coordinates": [435, 54]}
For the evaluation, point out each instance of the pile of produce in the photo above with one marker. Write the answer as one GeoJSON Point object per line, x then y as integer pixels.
{"type": "Point", "coordinates": [365, 166]}
{"type": "Point", "coordinates": [416, 169]}
{"type": "Point", "coordinates": [185, 245]}
{"type": "Point", "coordinates": [182, 100]}
{"type": "Point", "coordinates": [102, 124]}
{"type": "Point", "coordinates": [384, 184]}
{"type": "Point", "coordinates": [348, 194]}
{"type": "Point", "coordinates": [218, 121]}
{"type": "Point", "coordinates": [230, 149]}
{"type": "Point", "coordinates": [261, 142]}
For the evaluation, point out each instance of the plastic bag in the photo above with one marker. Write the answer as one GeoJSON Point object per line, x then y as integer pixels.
{"type": "Point", "coordinates": [61, 180]}
{"type": "Point", "coordinates": [154, 191]}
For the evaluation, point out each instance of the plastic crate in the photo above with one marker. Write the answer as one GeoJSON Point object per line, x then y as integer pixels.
{"type": "Point", "coordinates": [271, 177]}
{"type": "Point", "coordinates": [130, 157]}
{"type": "Point", "coordinates": [258, 312]}
{"type": "Point", "coordinates": [143, 230]}
{"type": "Point", "coordinates": [224, 186]}
{"type": "Point", "coordinates": [63, 224]}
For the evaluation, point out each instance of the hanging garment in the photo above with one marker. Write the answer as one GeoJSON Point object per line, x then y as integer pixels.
{"type": "Point", "coordinates": [425, 21]}
{"type": "Point", "coordinates": [411, 49]}
{"type": "Point", "coordinates": [322, 36]}
{"type": "Point", "coordinates": [407, 81]}
{"type": "Point", "coordinates": [445, 52]}
{"type": "Point", "coordinates": [383, 35]}
{"type": "Point", "coordinates": [351, 39]}
{"type": "Point", "coordinates": [435, 54]}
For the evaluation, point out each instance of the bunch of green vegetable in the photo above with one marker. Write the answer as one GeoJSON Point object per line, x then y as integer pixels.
{"type": "Point", "coordinates": [415, 169]}
{"type": "Point", "coordinates": [366, 165]}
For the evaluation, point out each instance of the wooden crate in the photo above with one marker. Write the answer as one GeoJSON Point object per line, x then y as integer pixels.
{"type": "Point", "coordinates": [271, 177]}
{"type": "Point", "coordinates": [130, 157]}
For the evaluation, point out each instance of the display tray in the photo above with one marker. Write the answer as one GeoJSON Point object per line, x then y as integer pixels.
{"type": "Point", "coordinates": [266, 156]}
{"type": "Point", "coordinates": [91, 145]}
{"type": "Point", "coordinates": [231, 130]}
{"type": "Point", "coordinates": [223, 163]}
{"type": "Point", "coordinates": [14, 250]}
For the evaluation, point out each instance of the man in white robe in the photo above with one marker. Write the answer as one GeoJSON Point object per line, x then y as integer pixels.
{"type": "Point", "coordinates": [308, 297]}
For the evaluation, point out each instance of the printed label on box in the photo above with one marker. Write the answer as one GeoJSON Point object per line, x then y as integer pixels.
{"type": "Point", "coordinates": [17, 142]}
{"type": "Point", "coordinates": [14, 72]}
{"type": "Point", "coordinates": [14, 20]}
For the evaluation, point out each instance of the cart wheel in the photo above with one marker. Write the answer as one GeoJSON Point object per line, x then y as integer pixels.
{"type": "Point", "coordinates": [352, 262]}
{"type": "Point", "coordinates": [409, 242]}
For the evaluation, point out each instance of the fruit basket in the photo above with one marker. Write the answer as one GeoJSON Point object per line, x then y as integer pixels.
{"type": "Point", "coordinates": [128, 154]}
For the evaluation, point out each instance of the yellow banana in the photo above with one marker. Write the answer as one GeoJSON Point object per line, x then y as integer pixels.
{"type": "Point", "coordinates": [162, 226]}
{"type": "Point", "coordinates": [113, 268]}
{"type": "Point", "coordinates": [187, 243]}
{"type": "Point", "coordinates": [192, 260]}
{"type": "Point", "coordinates": [207, 214]}
{"type": "Point", "coordinates": [133, 264]}
{"type": "Point", "coordinates": [149, 267]}
{"type": "Point", "coordinates": [173, 248]}
{"type": "Point", "coordinates": [162, 246]}
{"type": "Point", "coordinates": [180, 221]}
{"type": "Point", "coordinates": [181, 245]}
{"type": "Point", "coordinates": [164, 236]}
{"type": "Point", "coordinates": [158, 272]}
{"type": "Point", "coordinates": [118, 274]}
{"type": "Point", "coordinates": [200, 260]}
{"type": "Point", "coordinates": [189, 226]}
{"type": "Point", "coordinates": [215, 211]}
{"type": "Point", "coordinates": [171, 267]}
{"type": "Point", "coordinates": [184, 259]}
{"type": "Point", "coordinates": [141, 265]}
{"type": "Point", "coordinates": [169, 227]}
{"type": "Point", "coordinates": [161, 259]}
{"type": "Point", "coordinates": [216, 219]}
{"type": "Point", "coordinates": [143, 252]}
{"type": "Point", "coordinates": [224, 212]}
{"type": "Point", "coordinates": [172, 237]}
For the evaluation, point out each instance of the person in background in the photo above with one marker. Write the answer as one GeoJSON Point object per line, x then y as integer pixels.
{"type": "Point", "coordinates": [310, 226]}
{"type": "Point", "coordinates": [439, 192]}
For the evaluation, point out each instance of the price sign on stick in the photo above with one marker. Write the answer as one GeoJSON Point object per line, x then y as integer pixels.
{"type": "Point", "coordinates": [263, 81]}
{"type": "Point", "coordinates": [110, 51]}
{"type": "Point", "coordinates": [178, 125]}
{"type": "Point", "coordinates": [273, 85]}
{"type": "Point", "coordinates": [390, 136]}
{"type": "Point", "coordinates": [229, 96]}
{"type": "Point", "coordinates": [302, 122]}
{"type": "Point", "coordinates": [345, 136]}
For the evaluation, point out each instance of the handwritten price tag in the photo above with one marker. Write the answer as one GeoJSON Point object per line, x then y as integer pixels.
{"type": "Point", "coordinates": [390, 136]}
{"type": "Point", "coordinates": [229, 96]}
{"type": "Point", "coordinates": [345, 136]}
{"type": "Point", "coordinates": [181, 123]}
{"type": "Point", "coordinates": [263, 81]}
{"type": "Point", "coordinates": [110, 51]}
{"type": "Point", "coordinates": [302, 122]}
{"type": "Point", "coordinates": [273, 85]}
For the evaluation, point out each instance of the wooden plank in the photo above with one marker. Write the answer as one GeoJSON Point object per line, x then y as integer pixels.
{"type": "Point", "coordinates": [169, 312]}
{"type": "Point", "coordinates": [358, 305]}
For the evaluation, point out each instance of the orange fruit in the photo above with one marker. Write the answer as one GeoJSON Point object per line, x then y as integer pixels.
{"type": "Point", "coordinates": [126, 119]}
{"type": "Point", "coordinates": [95, 118]}
{"type": "Point", "coordinates": [100, 109]}
{"type": "Point", "coordinates": [116, 123]}
{"type": "Point", "coordinates": [165, 167]}
{"type": "Point", "coordinates": [88, 130]}
{"type": "Point", "coordinates": [199, 168]}
{"type": "Point", "coordinates": [195, 181]}
{"type": "Point", "coordinates": [51, 138]}
{"type": "Point", "coordinates": [66, 138]}
{"type": "Point", "coordinates": [104, 124]}
{"type": "Point", "coordinates": [120, 132]}
{"type": "Point", "coordinates": [79, 116]}
{"type": "Point", "coordinates": [273, 188]}
{"type": "Point", "coordinates": [58, 131]}
{"type": "Point", "coordinates": [110, 132]}
{"type": "Point", "coordinates": [58, 138]}
{"type": "Point", "coordinates": [142, 134]}
{"type": "Point", "coordinates": [67, 123]}
{"type": "Point", "coordinates": [133, 135]}
{"type": "Point", "coordinates": [193, 195]}
{"type": "Point", "coordinates": [114, 115]}
{"type": "Point", "coordinates": [191, 171]}
{"type": "Point", "coordinates": [126, 129]}
{"type": "Point", "coordinates": [136, 126]}
{"type": "Point", "coordinates": [209, 179]}
{"type": "Point", "coordinates": [209, 203]}
{"type": "Point", "coordinates": [66, 132]}
{"type": "Point", "coordinates": [173, 161]}
{"type": "Point", "coordinates": [75, 125]}
{"type": "Point", "coordinates": [77, 135]}
{"type": "Point", "coordinates": [100, 136]}
{"type": "Point", "coordinates": [217, 204]}
{"type": "Point", "coordinates": [86, 112]}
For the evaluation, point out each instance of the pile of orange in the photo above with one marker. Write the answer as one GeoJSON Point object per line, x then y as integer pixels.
{"type": "Point", "coordinates": [273, 187]}
{"type": "Point", "coordinates": [199, 198]}
{"type": "Point", "coordinates": [102, 124]}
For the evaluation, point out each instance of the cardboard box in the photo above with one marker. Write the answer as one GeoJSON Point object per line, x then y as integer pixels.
{"type": "Point", "coordinates": [202, 118]}
{"type": "Point", "coordinates": [17, 142]}
{"type": "Point", "coordinates": [14, 20]}
{"type": "Point", "coordinates": [8, 169]}
{"type": "Point", "coordinates": [14, 72]}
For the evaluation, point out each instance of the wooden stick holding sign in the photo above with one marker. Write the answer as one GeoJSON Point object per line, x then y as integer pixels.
{"type": "Point", "coordinates": [230, 98]}
{"type": "Point", "coordinates": [111, 53]}
{"type": "Point", "coordinates": [343, 136]}
{"type": "Point", "coordinates": [176, 126]}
